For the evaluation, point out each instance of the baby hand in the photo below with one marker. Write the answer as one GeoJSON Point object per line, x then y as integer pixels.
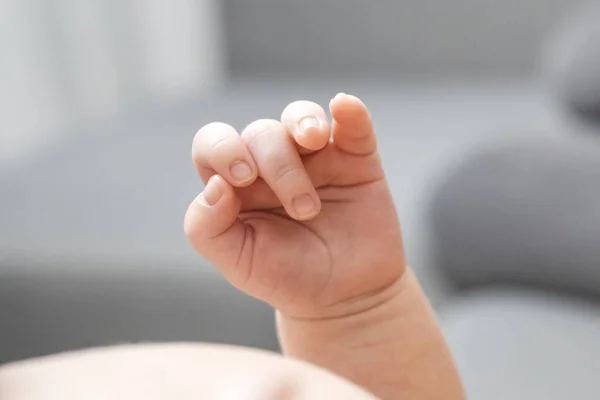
{"type": "Point", "coordinates": [297, 212]}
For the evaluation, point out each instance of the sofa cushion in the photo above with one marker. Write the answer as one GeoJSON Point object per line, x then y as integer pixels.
{"type": "Point", "coordinates": [571, 65]}
{"type": "Point", "coordinates": [522, 211]}
{"type": "Point", "coordinates": [61, 307]}
{"type": "Point", "coordinates": [512, 344]}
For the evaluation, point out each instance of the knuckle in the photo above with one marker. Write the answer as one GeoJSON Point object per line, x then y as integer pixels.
{"type": "Point", "coordinates": [221, 151]}
{"type": "Point", "coordinates": [197, 152]}
{"type": "Point", "coordinates": [222, 143]}
{"type": "Point", "coordinates": [300, 109]}
{"type": "Point", "coordinates": [260, 129]}
{"type": "Point", "coordinates": [189, 226]}
{"type": "Point", "coordinates": [211, 128]}
{"type": "Point", "coordinates": [212, 138]}
{"type": "Point", "coordinates": [283, 171]}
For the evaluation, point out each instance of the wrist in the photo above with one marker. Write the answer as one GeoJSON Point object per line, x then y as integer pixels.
{"type": "Point", "coordinates": [393, 348]}
{"type": "Point", "coordinates": [365, 320]}
{"type": "Point", "coordinates": [344, 304]}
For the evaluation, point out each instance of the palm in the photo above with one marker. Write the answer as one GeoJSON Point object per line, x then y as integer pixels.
{"type": "Point", "coordinates": [304, 223]}
{"type": "Point", "coordinates": [330, 258]}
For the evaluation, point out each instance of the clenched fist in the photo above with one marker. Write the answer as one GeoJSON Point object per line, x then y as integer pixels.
{"type": "Point", "coordinates": [297, 212]}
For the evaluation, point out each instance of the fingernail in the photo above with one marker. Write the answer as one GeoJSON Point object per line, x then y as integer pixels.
{"type": "Point", "coordinates": [212, 192]}
{"type": "Point", "coordinates": [304, 205]}
{"type": "Point", "coordinates": [340, 94]}
{"type": "Point", "coordinates": [241, 171]}
{"type": "Point", "coordinates": [307, 123]}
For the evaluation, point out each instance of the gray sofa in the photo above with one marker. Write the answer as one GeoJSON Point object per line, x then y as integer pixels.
{"type": "Point", "coordinates": [499, 213]}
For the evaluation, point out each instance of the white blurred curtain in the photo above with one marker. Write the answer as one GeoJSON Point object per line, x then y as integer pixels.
{"type": "Point", "coordinates": [65, 62]}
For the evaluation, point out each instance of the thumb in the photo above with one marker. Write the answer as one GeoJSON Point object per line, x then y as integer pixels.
{"type": "Point", "coordinates": [212, 225]}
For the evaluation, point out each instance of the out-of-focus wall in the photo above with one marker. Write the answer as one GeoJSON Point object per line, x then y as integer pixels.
{"type": "Point", "coordinates": [397, 38]}
{"type": "Point", "coordinates": [66, 62]}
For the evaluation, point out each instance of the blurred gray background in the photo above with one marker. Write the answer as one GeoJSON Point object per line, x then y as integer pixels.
{"type": "Point", "coordinates": [428, 39]}
{"type": "Point", "coordinates": [482, 110]}
{"type": "Point", "coordinates": [68, 62]}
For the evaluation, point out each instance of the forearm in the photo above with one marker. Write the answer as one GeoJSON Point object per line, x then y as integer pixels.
{"type": "Point", "coordinates": [395, 348]}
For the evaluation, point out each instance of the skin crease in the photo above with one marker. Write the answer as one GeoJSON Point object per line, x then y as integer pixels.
{"type": "Point", "coordinates": [305, 267]}
{"type": "Point", "coordinates": [347, 305]}
{"type": "Point", "coordinates": [336, 274]}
